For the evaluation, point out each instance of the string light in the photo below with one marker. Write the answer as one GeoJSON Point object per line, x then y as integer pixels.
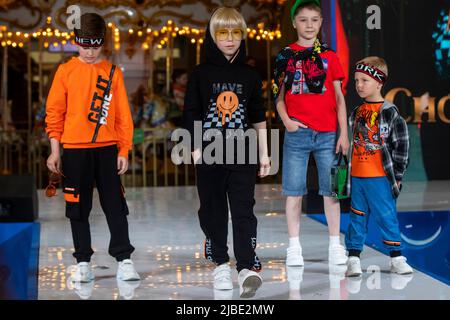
{"type": "Point", "coordinates": [169, 30]}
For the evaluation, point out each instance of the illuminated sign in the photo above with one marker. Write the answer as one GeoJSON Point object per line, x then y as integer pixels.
{"type": "Point", "coordinates": [423, 105]}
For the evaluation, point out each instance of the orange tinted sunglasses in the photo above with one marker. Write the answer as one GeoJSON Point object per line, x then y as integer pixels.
{"type": "Point", "coordinates": [224, 34]}
{"type": "Point", "coordinates": [53, 181]}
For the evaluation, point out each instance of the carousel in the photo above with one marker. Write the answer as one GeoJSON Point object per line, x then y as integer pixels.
{"type": "Point", "coordinates": [154, 43]}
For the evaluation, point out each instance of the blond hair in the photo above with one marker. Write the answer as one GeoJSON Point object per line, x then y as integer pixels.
{"type": "Point", "coordinates": [375, 62]}
{"type": "Point", "coordinates": [224, 18]}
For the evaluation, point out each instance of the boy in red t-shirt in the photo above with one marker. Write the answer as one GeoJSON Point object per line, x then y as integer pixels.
{"type": "Point", "coordinates": [311, 104]}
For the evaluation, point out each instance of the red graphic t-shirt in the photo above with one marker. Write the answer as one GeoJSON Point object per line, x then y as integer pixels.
{"type": "Point", "coordinates": [367, 159]}
{"type": "Point", "coordinates": [317, 111]}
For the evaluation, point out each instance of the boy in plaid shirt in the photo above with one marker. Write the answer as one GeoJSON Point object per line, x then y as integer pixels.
{"type": "Point", "coordinates": [379, 157]}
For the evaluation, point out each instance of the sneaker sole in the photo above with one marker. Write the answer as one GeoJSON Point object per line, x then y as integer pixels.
{"type": "Point", "coordinates": [129, 279]}
{"type": "Point", "coordinates": [224, 288]}
{"type": "Point", "coordinates": [354, 275]}
{"type": "Point", "coordinates": [403, 273]}
{"type": "Point", "coordinates": [250, 285]}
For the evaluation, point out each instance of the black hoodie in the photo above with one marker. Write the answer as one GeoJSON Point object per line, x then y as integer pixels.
{"type": "Point", "coordinates": [223, 94]}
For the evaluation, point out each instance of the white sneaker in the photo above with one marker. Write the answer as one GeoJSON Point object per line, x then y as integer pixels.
{"type": "Point", "coordinates": [354, 267]}
{"type": "Point", "coordinates": [354, 285]}
{"type": "Point", "coordinates": [399, 281]}
{"type": "Point", "coordinates": [399, 265]}
{"type": "Point", "coordinates": [249, 282]}
{"type": "Point", "coordinates": [126, 271]}
{"type": "Point", "coordinates": [126, 288]}
{"type": "Point", "coordinates": [294, 257]}
{"type": "Point", "coordinates": [82, 272]}
{"type": "Point", "coordinates": [223, 294]}
{"type": "Point", "coordinates": [337, 254]}
{"type": "Point", "coordinates": [84, 290]}
{"type": "Point", "coordinates": [294, 277]}
{"type": "Point", "coordinates": [222, 277]}
{"type": "Point", "coordinates": [336, 273]}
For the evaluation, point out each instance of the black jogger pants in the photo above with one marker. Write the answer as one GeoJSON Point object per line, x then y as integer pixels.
{"type": "Point", "coordinates": [82, 168]}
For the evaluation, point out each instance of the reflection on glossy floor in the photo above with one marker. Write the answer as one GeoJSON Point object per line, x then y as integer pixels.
{"type": "Point", "coordinates": [168, 240]}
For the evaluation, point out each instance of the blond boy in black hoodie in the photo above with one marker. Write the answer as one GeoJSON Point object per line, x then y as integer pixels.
{"type": "Point", "coordinates": [224, 96]}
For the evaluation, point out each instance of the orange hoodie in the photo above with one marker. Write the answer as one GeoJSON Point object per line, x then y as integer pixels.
{"type": "Point", "coordinates": [74, 102]}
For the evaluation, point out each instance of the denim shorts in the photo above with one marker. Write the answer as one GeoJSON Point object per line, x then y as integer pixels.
{"type": "Point", "coordinates": [296, 150]}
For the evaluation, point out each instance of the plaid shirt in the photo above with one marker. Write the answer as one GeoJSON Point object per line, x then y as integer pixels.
{"type": "Point", "coordinates": [393, 131]}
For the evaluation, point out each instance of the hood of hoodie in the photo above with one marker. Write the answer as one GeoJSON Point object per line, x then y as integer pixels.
{"type": "Point", "coordinates": [213, 55]}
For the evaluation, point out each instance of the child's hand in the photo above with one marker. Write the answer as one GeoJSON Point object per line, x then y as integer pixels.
{"type": "Point", "coordinates": [292, 126]}
{"type": "Point", "coordinates": [54, 163]}
{"type": "Point", "coordinates": [264, 166]}
{"type": "Point", "coordinates": [122, 165]}
{"type": "Point", "coordinates": [342, 145]}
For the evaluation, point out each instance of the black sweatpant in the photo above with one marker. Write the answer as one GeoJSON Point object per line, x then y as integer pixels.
{"type": "Point", "coordinates": [214, 184]}
{"type": "Point", "coordinates": [81, 168]}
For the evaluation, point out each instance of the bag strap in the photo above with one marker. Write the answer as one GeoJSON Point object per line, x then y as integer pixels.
{"type": "Point", "coordinates": [105, 93]}
{"type": "Point", "coordinates": [341, 155]}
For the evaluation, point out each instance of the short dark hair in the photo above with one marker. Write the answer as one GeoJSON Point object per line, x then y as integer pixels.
{"type": "Point", "coordinates": [92, 25]}
{"type": "Point", "coordinates": [178, 73]}
{"type": "Point", "coordinates": [310, 5]}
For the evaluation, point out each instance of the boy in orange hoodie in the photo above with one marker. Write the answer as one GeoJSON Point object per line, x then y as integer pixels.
{"type": "Point", "coordinates": [88, 113]}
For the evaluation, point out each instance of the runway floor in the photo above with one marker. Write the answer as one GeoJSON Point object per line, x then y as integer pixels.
{"type": "Point", "coordinates": [169, 243]}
